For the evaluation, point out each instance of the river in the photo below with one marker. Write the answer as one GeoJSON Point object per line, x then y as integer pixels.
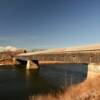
{"type": "Point", "coordinates": [21, 84]}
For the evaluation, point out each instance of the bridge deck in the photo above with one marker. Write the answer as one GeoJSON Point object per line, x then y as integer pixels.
{"type": "Point", "coordinates": [86, 56]}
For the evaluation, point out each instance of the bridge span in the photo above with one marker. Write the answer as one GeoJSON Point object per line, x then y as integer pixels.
{"type": "Point", "coordinates": [79, 56]}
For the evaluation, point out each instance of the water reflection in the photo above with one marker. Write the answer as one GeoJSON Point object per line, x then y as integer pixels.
{"type": "Point", "coordinates": [20, 84]}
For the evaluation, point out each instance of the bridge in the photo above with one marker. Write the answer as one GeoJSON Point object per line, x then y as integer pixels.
{"type": "Point", "coordinates": [82, 55]}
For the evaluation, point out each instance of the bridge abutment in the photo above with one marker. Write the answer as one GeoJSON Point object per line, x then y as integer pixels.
{"type": "Point", "coordinates": [94, 67]}
{"type": "Point", "coordinates": [15, 61]}
{"type": "Point", "coordinates": [93, 70]}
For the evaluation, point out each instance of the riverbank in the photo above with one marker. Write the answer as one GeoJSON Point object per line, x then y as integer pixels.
{"type": "Point", "coordinates": [6, 62]}
{"type": "Point", "coordinates": [87, 90]}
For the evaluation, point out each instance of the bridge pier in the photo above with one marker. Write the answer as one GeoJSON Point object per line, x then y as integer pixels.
{"type": "Point", "coordinates": [32, 64]}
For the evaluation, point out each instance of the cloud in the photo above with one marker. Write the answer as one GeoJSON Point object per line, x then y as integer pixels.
{"type": "Point", "coordinates": [7, 48]}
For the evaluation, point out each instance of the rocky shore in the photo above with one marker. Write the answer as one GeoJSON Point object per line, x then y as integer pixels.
{"type": "Point", "coordinates": [6, 57]}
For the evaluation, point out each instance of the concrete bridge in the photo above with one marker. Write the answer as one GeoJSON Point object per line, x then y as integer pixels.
{"type": "Point", "coordinates": [84, 56]}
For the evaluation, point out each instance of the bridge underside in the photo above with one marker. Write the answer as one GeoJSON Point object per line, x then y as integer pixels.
{"type": "Point", "coordinates": [29, 64]}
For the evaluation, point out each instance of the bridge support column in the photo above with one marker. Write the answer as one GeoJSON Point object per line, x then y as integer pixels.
{"type": "Point", "coordinates": [32, 64]}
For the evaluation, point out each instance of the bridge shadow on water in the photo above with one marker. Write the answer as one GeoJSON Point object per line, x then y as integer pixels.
{"type": "Point", "coordinates": [20, 84]}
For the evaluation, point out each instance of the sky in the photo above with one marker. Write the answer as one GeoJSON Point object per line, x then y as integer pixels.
{"type": "Point", "coordinates": [49, 23]}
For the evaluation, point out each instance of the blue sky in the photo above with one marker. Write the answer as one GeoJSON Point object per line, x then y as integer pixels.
{"type": "Point", "coordinates": [49, 23]}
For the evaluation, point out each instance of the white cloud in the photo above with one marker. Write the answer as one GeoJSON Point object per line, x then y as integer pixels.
{"type": "Point", "coordinates": [8, 48]}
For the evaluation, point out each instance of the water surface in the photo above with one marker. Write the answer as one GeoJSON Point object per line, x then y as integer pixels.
{"type": "Point", "coordinates": [21, 84]}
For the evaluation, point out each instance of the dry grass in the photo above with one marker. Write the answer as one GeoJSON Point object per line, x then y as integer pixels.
{"type": "Point", "coordinates": [87, 90]}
